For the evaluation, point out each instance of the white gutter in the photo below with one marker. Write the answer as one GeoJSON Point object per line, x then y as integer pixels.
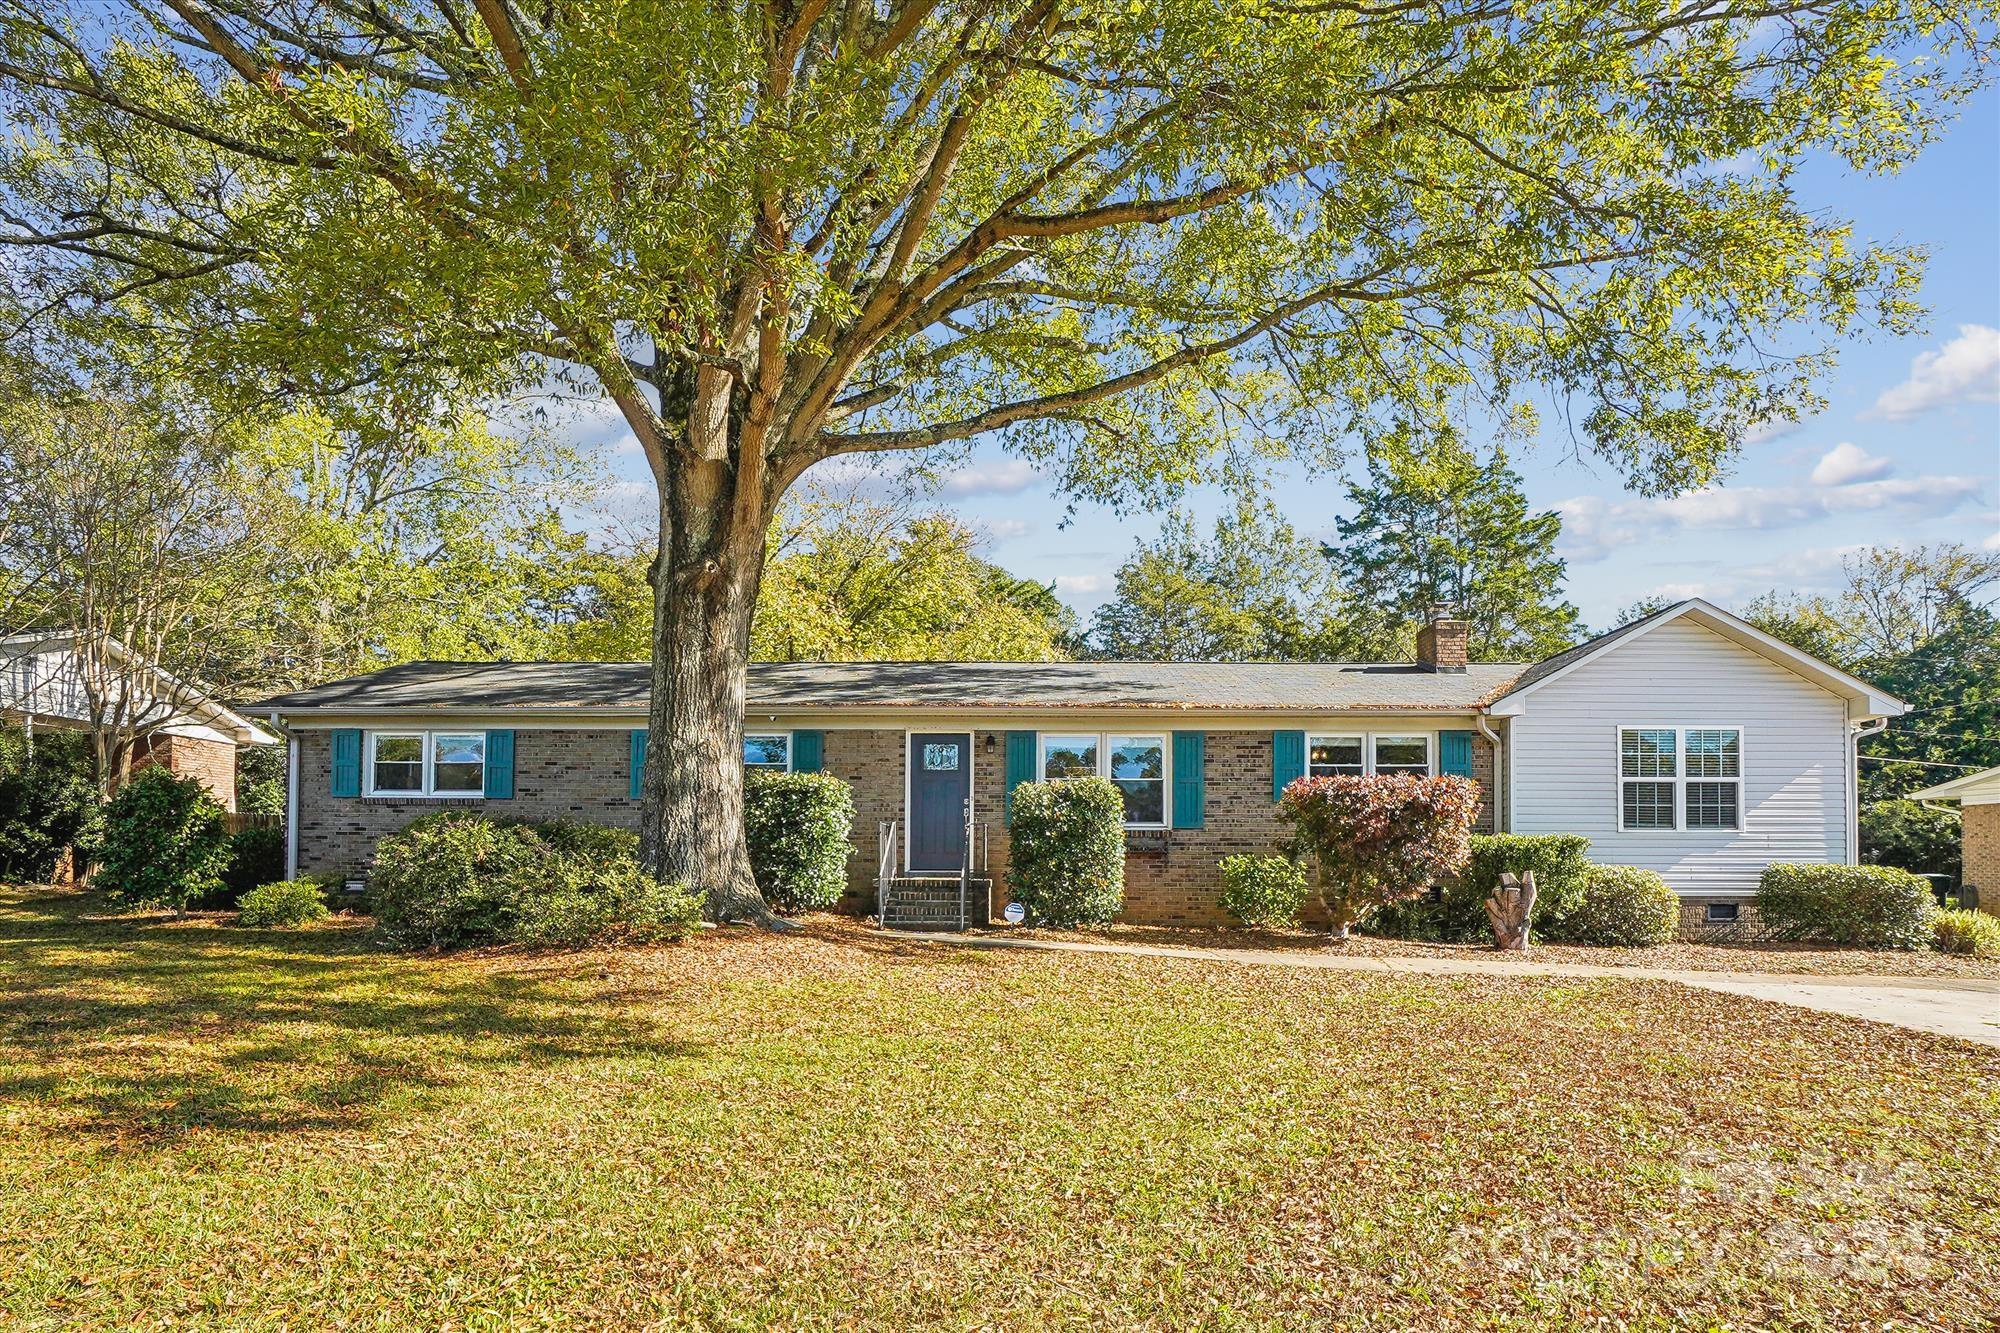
{"type": "Point", "coordinates": [1855, 731]}
{"type": "Point", "coordinates": [1500, 819]}
{"type": "Point", "coordinates": [291, 804]}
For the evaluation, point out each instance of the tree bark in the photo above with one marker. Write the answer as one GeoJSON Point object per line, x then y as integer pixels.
{"type": "Point", "coordinates": [705, 579]}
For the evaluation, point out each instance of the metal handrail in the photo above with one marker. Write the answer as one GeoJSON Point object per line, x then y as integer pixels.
{"type": "Point", "coordinates": [885, 868]}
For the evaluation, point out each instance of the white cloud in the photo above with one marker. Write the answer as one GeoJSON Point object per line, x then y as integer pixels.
{"type": "Point", "coordinates": [1082, 585]}
{"type": "Point", "coordinates": [1991, 543]}
{"type": "Point", "coordinates": [1775, 429]}
{"type": "Point", "coordinates": [1966, 369]}
{"type": "Point", "coordinates": [1006, 476]}
{"type": "Point", "coordinates": [1846, 463]}
{"type": "Point", "coordinates": [1005, 529]}
{"type": "Point", "coordinates": [1593, 526]}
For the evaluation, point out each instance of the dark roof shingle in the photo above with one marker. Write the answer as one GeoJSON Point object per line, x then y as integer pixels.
{"type": "Point", "coordinates": [1321, 687]}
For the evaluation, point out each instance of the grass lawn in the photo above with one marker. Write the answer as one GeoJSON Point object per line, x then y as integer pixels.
{"type": "Point", "coordinates": [207, 1125]}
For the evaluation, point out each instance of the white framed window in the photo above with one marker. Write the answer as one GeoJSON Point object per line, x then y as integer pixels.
{"type": "Point", "coordinates": [1336, 755]}
{"type": "Point", "coordinates": [1680, 778]}
{"type": "Point", "coordinates": [427, 763]}
{"type": "Point", "coordinates": [1402, 754]}
{"type": "Point", "coordinates": [767, 751]}
{"type": "Point", "coordinates": [1136, 764]}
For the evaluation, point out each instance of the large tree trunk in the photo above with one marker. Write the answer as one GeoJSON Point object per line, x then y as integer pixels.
{"type": "Point", "coordinates": [705, 579]}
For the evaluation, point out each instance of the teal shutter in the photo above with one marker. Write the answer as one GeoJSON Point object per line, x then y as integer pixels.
{"type": "Point", "coordinates": [1455, 753]}
{"type": "Point", "coordinates": [1190, 779]}
{"type": "Point", "coordinates": [500, 765]}
{"type": "Point", "coordinates": [638, 764]}
{"type": "Point", "coordinates": [1288, 760]}
{"type": "Point", "coordinates": [808, 751]}
{"type": "Point", "coordinates": [347, 761]}
{"type": "Point", "coordinates": [1020, 762]}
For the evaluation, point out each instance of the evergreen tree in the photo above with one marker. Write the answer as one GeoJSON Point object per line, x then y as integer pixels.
{"type": "Point", "coordinates": [1434, 524]}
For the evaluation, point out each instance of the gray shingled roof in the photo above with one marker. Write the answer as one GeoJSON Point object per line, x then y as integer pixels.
{"type": "Point", "coordinates": [1320, 687]}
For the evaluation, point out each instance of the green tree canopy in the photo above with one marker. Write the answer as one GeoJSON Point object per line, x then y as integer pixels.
{"type": "Point", "coordinates": [1433, 524]}
{"type": "Point", "coordinates": [850, 578]}
{"type": "Point", "coordinates": [1149, 242]}
{"type": "Point", "coordinates": [1251, 590]}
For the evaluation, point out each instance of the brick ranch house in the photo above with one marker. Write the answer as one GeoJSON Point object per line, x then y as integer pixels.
{"type": "Point", "coordinates": [1688, 742]}
{"type": "Point", "coordinates": [1978, 797]}
{"type": "Point", "coordinates": [46, 683]}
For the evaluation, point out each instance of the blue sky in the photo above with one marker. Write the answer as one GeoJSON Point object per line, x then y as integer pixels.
{"type": "Point", "coordinates": [1907, 451]}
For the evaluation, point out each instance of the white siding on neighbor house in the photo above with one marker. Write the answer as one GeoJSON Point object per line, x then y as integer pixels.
{"type": "Point", "coordinates": [1564, 757]}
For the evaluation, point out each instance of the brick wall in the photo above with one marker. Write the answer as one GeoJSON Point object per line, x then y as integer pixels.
{"type": "Point", "coordinates": [213, 762]}
{"type": "Point", "coordinates": [582, 774]}
{"type": "Point", "coordinates": [557, 775]}
{"type": "Point", "coordinates": [1982, 854]}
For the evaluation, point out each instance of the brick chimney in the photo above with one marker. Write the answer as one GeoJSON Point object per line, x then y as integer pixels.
{"type": "Point", "coordinates": [1441, 642]}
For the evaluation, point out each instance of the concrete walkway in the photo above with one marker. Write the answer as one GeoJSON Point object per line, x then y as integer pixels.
{"type": "Point", "coordinates": [1964, 1007]}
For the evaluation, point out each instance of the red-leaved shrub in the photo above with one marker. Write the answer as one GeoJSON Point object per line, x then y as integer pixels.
{"type": "Point", "coordinates": [1381, 839]}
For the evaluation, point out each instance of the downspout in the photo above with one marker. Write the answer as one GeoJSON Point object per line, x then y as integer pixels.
{"type": "Point", "coordinates": [291, 801]}
{"type": "Point", "coordinates": [1854, 734]}
{"type": "Point", "coordinates": [1501, 822]}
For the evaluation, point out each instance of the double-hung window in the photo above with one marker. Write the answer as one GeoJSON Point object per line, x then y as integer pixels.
{"type": "Point", "coordinates": [1136, 764]}
{"type": "Point", "coordinates": [426, 763]}
{"type": "Point", "coordinates": [1333, 756]}
{"type": "Point", "coordinates": [1336, 756]}
{"type": "Point", "coordinates": [1680, 778]}
{"type": "Point", "coordinates": [767, 751]}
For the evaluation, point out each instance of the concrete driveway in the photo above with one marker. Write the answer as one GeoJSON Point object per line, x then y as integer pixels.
{"type": "Point", "coordinates": [1964, 1007]}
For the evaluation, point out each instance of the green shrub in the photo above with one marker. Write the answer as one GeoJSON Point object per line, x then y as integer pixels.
{"type": "Point", "coordinates": [256, 856]}
{"type": "Point", "coordinates": [1624, 906]}
{"type": "Point", "coordinates": [1881, 907]}
{"type": "Point", "coordinates": [49, 802]}
{"type": "Point", "coordinates": [164, 843]}
{"type": "Point", "coordinates": [1922, 839]}
{"type": "Point", "coordinates": [1263, 890]}
{"type": "Point", "coordinates": [1066, 851]}
{"type": "Point", "coordinates": [1559, 863]}
{"type": "Point", "coordinates": [1973, 933]}
{"type": "Point", "coordinates": [288, 902]}
{"type": "Point", "coordinates": [1380, 840]}
{"type": "Point", "coordinates": [452, 879]}
{"type": "Point", "coordinates": [580, 901]}
{"type": "Point", "coordinates": [799, 827]}
{"type": "Point", "coordinates": [580, 837]}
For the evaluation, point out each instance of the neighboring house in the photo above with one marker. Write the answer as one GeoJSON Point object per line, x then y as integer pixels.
{"type": "Point", "coordinates": [46, 683]}
{"type": "Point", "coordinates": [1689, 742]}
{"type": "Point", "coordinates": [1978, 797]}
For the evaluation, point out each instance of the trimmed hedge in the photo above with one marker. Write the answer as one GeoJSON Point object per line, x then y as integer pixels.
{"type": "Point", "coordinates": [1560, 866]}
{"type": "Point", "coordinates": [799, 827]}
{"type": "Point", "coordinates": [1066, 851]}
{"type": "Point", "coordinates": [1881, 907]}
{"type": "Point", "coordinates": [288, 902]}
{"type": "Point", "coordinates": [1972, 933]}
{"type": "Point", "coordinates": [450, 879]}
{"type": "Point", "coordinates": [1459, 915]}
{"type": "Point", "coordinates": [1623, 906]}
{"type": "Point", "coordinates": [1263, 890]}
{"type": "Point", "coordinates": [164, 842]}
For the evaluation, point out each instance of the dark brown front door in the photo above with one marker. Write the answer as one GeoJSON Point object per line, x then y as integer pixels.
{"type": "Point", "coordinates": [940, 785]}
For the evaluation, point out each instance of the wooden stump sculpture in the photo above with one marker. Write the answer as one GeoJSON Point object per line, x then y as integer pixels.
{"type": "Point", "coordinates": [1510, 909]}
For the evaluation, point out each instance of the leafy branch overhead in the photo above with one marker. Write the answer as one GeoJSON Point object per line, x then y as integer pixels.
{"type": "Point", "coordinates": [1133, 236]}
